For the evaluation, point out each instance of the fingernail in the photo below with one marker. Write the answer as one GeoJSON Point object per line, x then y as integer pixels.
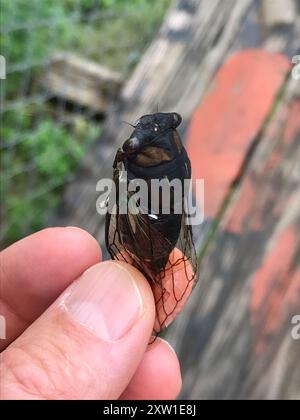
{"type": "Point", "coordinates": [105, 300]}
{"type": "Point", "coordinates": [167, 344]}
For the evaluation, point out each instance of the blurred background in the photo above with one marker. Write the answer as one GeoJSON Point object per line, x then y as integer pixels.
{"type": "Point", "coordinates": [77, 69]}
{"type": "Point", "coordinates": [49, 120]}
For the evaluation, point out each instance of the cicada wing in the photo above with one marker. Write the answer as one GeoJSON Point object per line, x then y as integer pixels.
{"type": "Point", "coordinates": [172, 273]}
{"type": "Point", "coordinates": [132, 238]}
{"type": "Point", "coordinates": [180, 277]}
{"type": "Point", "coordinates": [187, 246]}
{"type": "Point", "coordinates": [172, 284]}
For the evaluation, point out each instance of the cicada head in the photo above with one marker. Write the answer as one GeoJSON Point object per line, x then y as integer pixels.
{"type": "Point", "coordinates": [151, 140]}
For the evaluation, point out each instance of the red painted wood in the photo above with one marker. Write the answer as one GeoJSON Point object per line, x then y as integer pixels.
{"type": "Point", "coordinates": [230, 116]}
{"type": "Point", "coordinates": [275, 288]}
{"type": "Point", "coordinates": [249, 199]}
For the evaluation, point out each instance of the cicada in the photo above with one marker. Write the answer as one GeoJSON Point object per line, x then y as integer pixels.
{"type": "Point", "coordinates": [157, 242]}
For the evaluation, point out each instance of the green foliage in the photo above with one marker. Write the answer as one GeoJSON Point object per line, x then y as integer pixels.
{"type": "Point", "coordinates": [30, 32]}
{"type": "Point", "coordinates": [39, 153]}
{"type": "Point", "coordinates": [29, 27]}
{"type": "Point", "coordinates": [54, 152]}
{"type": "Point", "coordinates": [28, 214]}
{"type": "Point", "coordinates": [121, 39]}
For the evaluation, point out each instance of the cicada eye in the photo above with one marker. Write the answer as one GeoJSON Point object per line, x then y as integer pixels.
{"type": "Point", "coordinates": [177, 119]}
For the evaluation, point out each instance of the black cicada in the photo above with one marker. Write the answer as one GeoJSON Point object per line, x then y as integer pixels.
{"type": "Point", "coordinates": [154, 234]}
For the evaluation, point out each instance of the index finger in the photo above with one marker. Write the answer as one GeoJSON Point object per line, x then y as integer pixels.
{"type": "Point", "coordinates": [36, 269]}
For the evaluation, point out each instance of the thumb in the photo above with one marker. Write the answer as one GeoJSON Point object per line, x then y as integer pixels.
{"type": "Point", "coordinates": [88, 344]}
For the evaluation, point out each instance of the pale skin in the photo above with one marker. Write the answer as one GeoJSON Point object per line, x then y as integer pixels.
{"type": "Point", "coordinates": [49, 355]}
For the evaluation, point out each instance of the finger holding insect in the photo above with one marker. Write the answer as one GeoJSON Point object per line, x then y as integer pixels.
{"type": "Point", "coordinates": [170, 293]}
{"type": "Point", "coordinates": [158, 376]}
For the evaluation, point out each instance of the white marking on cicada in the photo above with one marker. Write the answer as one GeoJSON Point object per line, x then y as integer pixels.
{"type": "Point", "coordinates": [153, 216]}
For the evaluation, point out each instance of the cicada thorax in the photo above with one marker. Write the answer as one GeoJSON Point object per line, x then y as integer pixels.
{"type": "Point", "coordinates": [164, 160]}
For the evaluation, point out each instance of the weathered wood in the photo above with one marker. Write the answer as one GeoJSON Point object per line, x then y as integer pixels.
{"type": "Point", "coordinates": [235, 336]}
{"type": "Point", "coordinates": [220, 331]}
{"type": "Point", "coordinates": [81, 81]}
{"type": "Point", "coordinates": [278, 12]}
{"type": "Point", "coordinates": [173, 75]}
{"type": "Point", "coordinates": [282, 29]}
{"type": "Point", "coordinates": [225, 125]}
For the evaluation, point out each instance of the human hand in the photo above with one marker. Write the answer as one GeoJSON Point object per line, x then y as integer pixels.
{"type": "Point", "coordinates": [77, 328]}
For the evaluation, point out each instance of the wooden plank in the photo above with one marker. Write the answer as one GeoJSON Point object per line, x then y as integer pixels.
{"type": "Point", "coordinates": [81, 81]}
{"type": "Point", "coordinates": [173, 75]}
{"type": "Point", "coordinates": [238, 322]}
{"type": "Point", "coordinates": [226, 123]}
{"type": "Point", "coordinates": [218, 335]}
{"type": "Point", "coordinates": [279, 12]}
